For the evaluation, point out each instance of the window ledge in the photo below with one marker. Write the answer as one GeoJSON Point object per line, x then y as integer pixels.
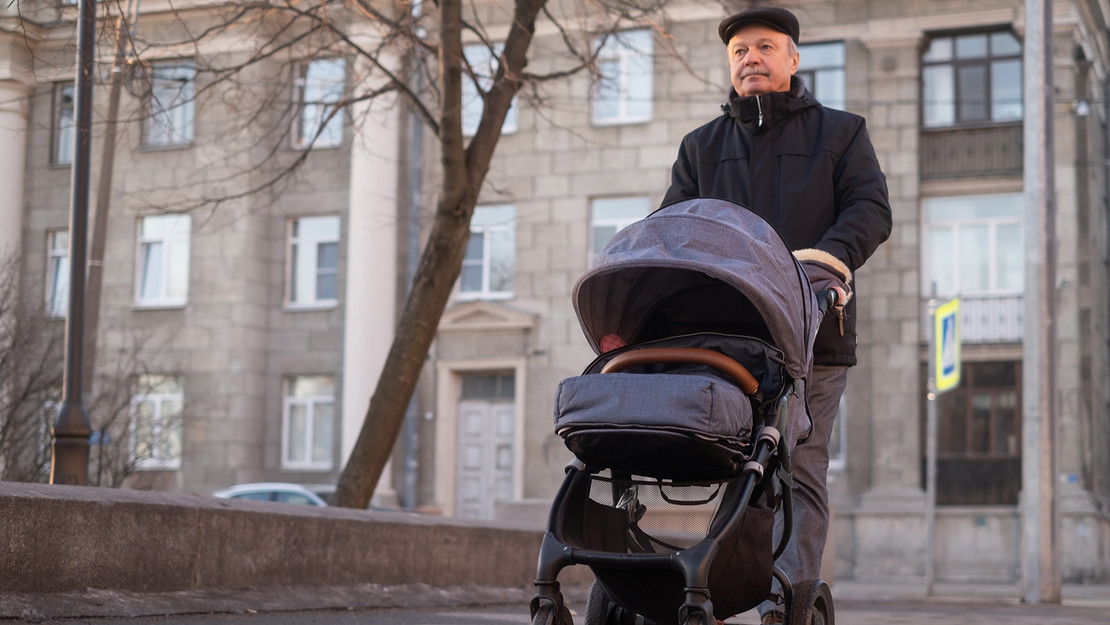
{"type": "Point", "coordinates": [312, 468]}
{"type": "Point", "coordinates": [157, 465]}
{"type": "Point", "coordinates": [624, 121]}
{"type": "Point", "coordinates": [315, 306]}
{"type": "Point", "coordinates": [956, 127]}
{"type": "Point", "coordinates": [483, 297]}
{"type": "Point", "coordinates": [168, 147]}
{"type": "Point", "coordinates": [315, 146]}
{"type": "Point", "coordinates": [158, 306]}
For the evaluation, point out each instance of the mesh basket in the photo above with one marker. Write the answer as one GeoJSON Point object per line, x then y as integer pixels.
{"type": "Point", "coordinates": [640, 515]}
{"type": "Point", "coordinates": [657, 516]}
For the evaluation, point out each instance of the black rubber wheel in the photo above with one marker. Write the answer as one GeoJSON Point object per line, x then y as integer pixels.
{"type": "Point", "coordinates": [600, 609]}
{"type": "Point", "coordinates": [695, 618]}
{"type": "Point", "coordinates": [545, 615]}
{"type": "Point", "coordinates": [812, 604]}
{"type": "Point", "coordinates": [597, 606]}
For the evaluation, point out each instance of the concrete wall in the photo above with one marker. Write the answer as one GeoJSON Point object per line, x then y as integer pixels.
{"type": "Point", "coordinates": [70, 538]}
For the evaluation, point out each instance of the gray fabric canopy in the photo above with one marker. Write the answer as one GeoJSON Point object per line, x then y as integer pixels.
{"type": "Point", "coordinates": [656, 262]}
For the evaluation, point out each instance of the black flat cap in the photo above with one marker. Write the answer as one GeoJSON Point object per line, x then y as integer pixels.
{"type": "Point", "coordinates": [771, 17]}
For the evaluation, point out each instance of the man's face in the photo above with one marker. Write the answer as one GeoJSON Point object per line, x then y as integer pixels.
{"type": "Point", "coordinates": [761, 60]}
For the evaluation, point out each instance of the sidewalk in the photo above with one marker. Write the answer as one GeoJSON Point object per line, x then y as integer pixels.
{"type": "Point", "coordinates": [878, 600]}
{"type": "Point", "coordinates": [1079, 595]}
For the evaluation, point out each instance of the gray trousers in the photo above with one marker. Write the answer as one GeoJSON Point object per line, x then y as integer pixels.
{"type": "Point", "coordinates": [802, 557]}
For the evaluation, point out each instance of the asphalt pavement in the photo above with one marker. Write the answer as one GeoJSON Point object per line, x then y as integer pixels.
{"type": "Point", "coordinates": [855, 603]}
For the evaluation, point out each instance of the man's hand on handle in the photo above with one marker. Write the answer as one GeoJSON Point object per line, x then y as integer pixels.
{"type": "Point", "coordinates": [827, 273]}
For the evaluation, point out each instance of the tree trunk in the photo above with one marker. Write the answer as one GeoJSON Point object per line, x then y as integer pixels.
{"type": "Point", "coordinates": [464, 173]}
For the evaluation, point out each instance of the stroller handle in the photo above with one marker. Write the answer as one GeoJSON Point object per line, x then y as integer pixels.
{"type": "Point", "coordinates": [826, 300]}
{"type": "Point", "coordinates": [697, 355]}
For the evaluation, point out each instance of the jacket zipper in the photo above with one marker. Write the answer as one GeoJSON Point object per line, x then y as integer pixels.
{"type": "Point", "coordinates": [759, 106]}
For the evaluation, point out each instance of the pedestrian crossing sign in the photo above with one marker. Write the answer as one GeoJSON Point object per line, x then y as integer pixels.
{"type": "Point", "coordinates": [946, 343]}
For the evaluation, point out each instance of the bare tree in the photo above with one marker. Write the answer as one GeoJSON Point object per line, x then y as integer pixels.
{"type": "Point", "coordinates": [429, 38]}
{"type": "Point", "coordinates": [30, 383]}
{"type": "Point", "coordinates": [430, 83]}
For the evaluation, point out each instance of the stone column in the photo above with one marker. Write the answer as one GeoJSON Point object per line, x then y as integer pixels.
{"type": "Point", "coordinates": [13, 151]}
{"type": "Point", "coordinates": [370, 294]}
{"type": "Point", "coordinates": [890, 518]}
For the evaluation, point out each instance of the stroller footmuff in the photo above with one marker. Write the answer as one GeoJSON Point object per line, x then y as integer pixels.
{"type": "Point", "coordinates": [682, 438]}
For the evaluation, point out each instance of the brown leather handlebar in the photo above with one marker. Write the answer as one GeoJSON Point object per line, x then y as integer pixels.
{"type": "Point", "coordinates": [697, 355]}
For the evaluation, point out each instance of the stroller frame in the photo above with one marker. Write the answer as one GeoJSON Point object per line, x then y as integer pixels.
{"type": "Point", "coordinates": [693, 563]}
{"type": "Point", "coordinates": [769, 466]}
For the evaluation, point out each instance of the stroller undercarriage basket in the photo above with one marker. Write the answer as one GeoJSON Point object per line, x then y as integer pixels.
{"type": "Point", "coordinates": [639, 516]}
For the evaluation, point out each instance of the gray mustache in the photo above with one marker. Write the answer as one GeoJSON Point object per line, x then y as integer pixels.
{"type": "Point", "coordinates": [754, 72]}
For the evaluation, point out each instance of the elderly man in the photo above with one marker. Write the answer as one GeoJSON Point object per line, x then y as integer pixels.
{"type": "Point", "coordinates": [813, 174]}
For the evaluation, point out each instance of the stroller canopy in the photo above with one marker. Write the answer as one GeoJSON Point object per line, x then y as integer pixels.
{"type": "Point", "coordinates": [658, 264]}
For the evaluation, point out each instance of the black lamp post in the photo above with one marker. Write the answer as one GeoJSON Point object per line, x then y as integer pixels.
{"type": "Point", "coordinates": [70, 457]}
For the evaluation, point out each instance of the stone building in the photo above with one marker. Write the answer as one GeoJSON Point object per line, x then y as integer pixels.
{"type": "Point", "coordinates": [251, 354]}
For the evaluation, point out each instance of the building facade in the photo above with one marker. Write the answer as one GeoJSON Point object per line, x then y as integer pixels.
{"type": "Point", "coordinates": [262, 323]}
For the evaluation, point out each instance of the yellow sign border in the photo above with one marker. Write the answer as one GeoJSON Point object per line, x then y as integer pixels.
{"type": "Point", "coordinates": [943, 381]}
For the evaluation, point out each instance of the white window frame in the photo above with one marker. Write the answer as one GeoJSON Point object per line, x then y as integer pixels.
{"type": "Point", "coordinates": [170, 105]}
{"type": "Point", "coordinates": [617, 213]}
{"type": "Point", "coordinates": [490, 223]}
{"type": "Point", "coordinates": [631, 54]}
{"type": "Point", "coordinates": [149, 391]}
{"type": "Point", "coordinates": [57, 273]}
{"type": "Point", "coordinates": [64, 136]}
{"type": "Point", "coordinates": [311, 403]}
{"type": "Point", "coordinates": [484, 62]}
{"type": "Point", "coordinates": [303, 270]}
{"type": "Point", "coordinates": [952, 285]}
{"type": "Point", "coordinates": [173, 272]}
{"type": "Point", "coordinates": [822, 67]}
{"type": "Point", "coordinates": [318, 86]}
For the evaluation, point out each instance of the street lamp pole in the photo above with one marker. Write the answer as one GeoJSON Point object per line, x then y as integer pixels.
{"type": "Point", "coordinates": [70, 448]}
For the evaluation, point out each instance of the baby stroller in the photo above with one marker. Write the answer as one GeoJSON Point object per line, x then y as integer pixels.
{"type": "Point", "coordinates": [682, 438]}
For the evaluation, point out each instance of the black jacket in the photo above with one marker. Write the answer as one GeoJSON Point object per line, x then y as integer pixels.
{"type": "Point", "coordinates": [809, 170]}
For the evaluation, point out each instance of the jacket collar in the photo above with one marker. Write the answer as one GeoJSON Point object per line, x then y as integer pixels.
{"type": "Point", "coordinates": [765, 110]}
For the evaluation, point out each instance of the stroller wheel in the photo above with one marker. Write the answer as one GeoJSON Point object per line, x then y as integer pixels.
{"type": "Point", "coordinates": [695, 618]}
{"type": "Point", "coordinates": [547, 615]}
{"type": "Point", "coordinates": [600, 610]}
{"type": "Point", "coordinates": [812, 604]}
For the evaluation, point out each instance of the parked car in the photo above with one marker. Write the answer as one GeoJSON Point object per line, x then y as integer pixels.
{"type": "Point", "coordinates": [272, 491]}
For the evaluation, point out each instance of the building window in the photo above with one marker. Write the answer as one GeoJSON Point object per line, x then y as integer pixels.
{"type": "Point", "coordinates": [622, 93]}
{"type": "Point", "coordinates": [162, 277]}
{"type": "Point", "coordinates": [973, 245]}
{"type": "Point", "coordinates": [821, 67]}
{"type": "Point", "coordinates": [979, 436]}
{"type": "Point", "coordinates": [313, 261]}
{"type": "Point", "coordinates": [608, 215]}
{"type": "Point", "coordinates": [63, 124]}
{"type": "Point", "coordinates": [308, 414]}
{"type": "Point", "coordinates": [156, 422]}
{"type": "Point", "coordinates": [971, 78]}
{"type": "Point", "coordinates": [57, 273]}
{"type": "Point", "coordinates": [318, 90]}
{"type": "Point", "coordinates": [484, 64]}
{"type": "Point", "coordinates": [170, 105]}
{"type": "Point", "coordinates": [490, 260]}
